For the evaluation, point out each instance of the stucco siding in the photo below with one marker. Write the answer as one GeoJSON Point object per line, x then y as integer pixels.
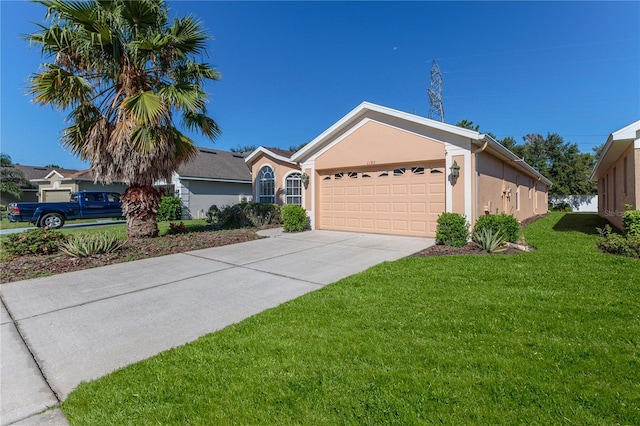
{"type": "Point", "coordinates": [458, 193]}
{"type": "Point", "coordinates": [280, 168]}
{"type": "Point", "coordinates": [618, 186]}
{"type": "Point", "coordinates": [374, 144]}
{"type": "Point", "coordinates": [505, 189]}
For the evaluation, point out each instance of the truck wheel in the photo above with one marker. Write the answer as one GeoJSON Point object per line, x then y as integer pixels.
{"type": "Point", "coordinates": [52, 220]}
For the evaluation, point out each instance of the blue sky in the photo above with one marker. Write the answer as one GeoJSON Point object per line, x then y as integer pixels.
{"type": "Point", "coordinates": [292, 69]}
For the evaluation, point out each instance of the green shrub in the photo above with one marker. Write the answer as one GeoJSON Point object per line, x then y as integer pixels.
{"type": "Point", "coordinates": [177, 228]}
{"type": "Point", "coordinates": [244, 215]}
{"type": "Point", "coordinates": [37, 241]}
{"type": "Point", "coordinates": [561, 207]}
{"type": "Point", "coordinates": [170, 209]}
{"type": "Point", "coordinates": [452, 230]}
{"type": "Point", "coordinates": [91, 245]}
{"type": "Point", "coordinates": [294, 218]}
{"type": "Point", "coordinates": [489, 240]}
{"type": "Point", "coordinates": [503, 223]}
{"type": "Point", "coordinates": [631, 222]}
{"type": "Point", "coordinates": [612, 242]}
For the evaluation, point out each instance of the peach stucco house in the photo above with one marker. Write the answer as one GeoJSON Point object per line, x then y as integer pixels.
{"type": "Point", "coordinates": [380, 170]}
{"type": "Point", "coordinates": [618, 173]}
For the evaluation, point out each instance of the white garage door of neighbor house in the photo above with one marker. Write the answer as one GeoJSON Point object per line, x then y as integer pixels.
{"type": "Point", "coordinates": [402, 200]}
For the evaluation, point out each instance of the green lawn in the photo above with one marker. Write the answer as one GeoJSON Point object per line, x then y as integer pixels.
{"type": "Point", "coordinates": [548, 337]}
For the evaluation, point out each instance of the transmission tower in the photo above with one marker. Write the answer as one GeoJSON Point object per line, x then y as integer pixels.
{"type": "Point", "coordinates": [436, 111]}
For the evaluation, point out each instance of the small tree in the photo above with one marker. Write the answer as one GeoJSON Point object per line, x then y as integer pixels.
{"type": "Point", "coordinates": [11, 179]}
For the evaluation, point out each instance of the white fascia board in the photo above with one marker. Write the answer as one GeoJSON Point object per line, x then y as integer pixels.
{"type": "Point", "coordinates": [603, 154]}
{"type": "Point", "coordinates": [53, 172]}
{"type": "Point", "coordinates": [514, 158]}
{"type": "Point", "coordinates": [263, 150]}
{"type": "Point", "coordinates": [214, 179]}
{"type": "Point", "coordinates": [627, 132]}
{"type": "Point", "coordinates": [362, 109]}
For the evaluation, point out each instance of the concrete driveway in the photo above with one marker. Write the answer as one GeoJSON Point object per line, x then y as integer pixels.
{"type": "Point", "coordinates": [60, 331]}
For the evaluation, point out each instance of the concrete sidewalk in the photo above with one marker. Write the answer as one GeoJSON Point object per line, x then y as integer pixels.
{"type": "Point", "coordinates": [60, 331]}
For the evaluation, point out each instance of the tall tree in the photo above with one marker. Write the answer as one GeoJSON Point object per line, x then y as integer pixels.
{"type": "Point", "coordinates": [11, 179]}
{"type": "Point", "coordinates": [561, 162]}
{"type": "Point", "coordinates": [468, 124]}
{"type": "Point", "coordinates": [243, 148]}
{"type": "Point", "coordinates": [125, 73]}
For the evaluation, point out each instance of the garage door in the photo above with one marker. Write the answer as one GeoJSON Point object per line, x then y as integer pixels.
{"type": "Point", "coordinates": [405, 200]}
{"type": "Point", "coordinates": [55, 195]}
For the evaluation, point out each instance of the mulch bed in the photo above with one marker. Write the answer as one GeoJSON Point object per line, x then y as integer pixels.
{"type": "Point", "coordinates": [25, 267]}
{"type": "Point", "coordinates": [471, 248]}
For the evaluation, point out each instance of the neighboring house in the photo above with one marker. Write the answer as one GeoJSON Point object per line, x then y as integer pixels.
{"type": "Point", "coordinates": [58, 184]}
{"type": "Point", "coordinates": [384, 171]}
{"type": "Point", "coordinates": [214, 177]}
{"type": "Point", "coordinates": [617, 173]}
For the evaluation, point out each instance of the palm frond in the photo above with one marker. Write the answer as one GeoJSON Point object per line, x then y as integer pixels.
{"type": "Point", "coordinates": [202, 123]}
{"type": "Point", "coordinates": [188, 37]}
{"type": "Point", "coordinates": [146, 107]}
{"type": "Point", "coordinates": [58, 87]}
{"type": "Point", "coordinates": [184, 96]}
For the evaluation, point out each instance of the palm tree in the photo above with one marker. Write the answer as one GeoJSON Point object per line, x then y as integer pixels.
{"type": "Point", "coordinates": [124, 73]}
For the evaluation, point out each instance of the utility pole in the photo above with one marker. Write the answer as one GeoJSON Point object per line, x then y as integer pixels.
{"type": "Point", "coordinates": [436, 110]}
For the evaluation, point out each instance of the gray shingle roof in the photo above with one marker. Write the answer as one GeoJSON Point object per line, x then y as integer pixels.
{"type": "Point", "coordinates": [37, 172]}
{"type": "Point", "coordinates": [216, 164]}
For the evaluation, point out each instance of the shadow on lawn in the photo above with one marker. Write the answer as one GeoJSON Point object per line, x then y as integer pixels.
{"type": "Point", "coordinates": [580, 222]}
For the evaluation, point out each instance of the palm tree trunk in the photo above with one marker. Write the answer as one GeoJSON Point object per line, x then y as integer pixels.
{"type": "Point", "coordinates": [140, 205]}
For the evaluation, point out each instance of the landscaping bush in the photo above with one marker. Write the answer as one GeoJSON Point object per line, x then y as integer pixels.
{"type": "Point", "coordinates": [503, 223]}
{"type": "Point", "coordinates": [452, 230]}
{"type": "Point", "coordinates": [562, 206]}
{"type": "Point", "coordinates": [170, 209]}
{"type": "Point", "coordinates": [244, 215]}
{"type": "Point", "coordinates": [631, 222]}
{"type": "Point", "coordinates": [177, 228]}
{"type": "Point", "coordinates": [91, 245]}
{"type": "Point", "coordinates": [294, 218]}
{"type": "Point", "coordinates": [612, 242]}
{"type": "Point", "coordinates": [37, 241]}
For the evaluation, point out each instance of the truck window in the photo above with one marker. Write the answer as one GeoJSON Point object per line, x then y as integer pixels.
{"type": "Point", "coordinates": [93, 197]}
{"type": "Point", "coordinates": [73, 198]}
{"type": "Point", "coordinates": [113, 198]}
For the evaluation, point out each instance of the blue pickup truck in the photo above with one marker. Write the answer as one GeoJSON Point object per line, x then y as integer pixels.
{"type": "Point", "coordinates": [82, 205]}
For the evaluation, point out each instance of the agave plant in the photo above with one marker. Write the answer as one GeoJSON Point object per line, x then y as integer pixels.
{"type": "Point", "coordinates": [489, 240]}
{"type": "Point", "coordinates": [90, 245]}
{"type": "Point", "coordinates": [124, 73]}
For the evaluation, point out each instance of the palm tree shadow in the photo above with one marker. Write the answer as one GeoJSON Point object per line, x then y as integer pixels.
{"type": "Point", "coordinates": [580, 222]}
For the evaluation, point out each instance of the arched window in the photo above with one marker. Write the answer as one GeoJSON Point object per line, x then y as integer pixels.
{"type": "Point", "coordinates": [266, 185]}
{"type": "Point", "coordinates": [293, 186]}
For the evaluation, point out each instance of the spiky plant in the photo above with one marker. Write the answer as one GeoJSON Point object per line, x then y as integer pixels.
{"type": "Point", "coordinates": [490, 241]}
{"type": "Point", "coordinates": [124, 73]}
{"type": "Point", "coordinates": [90, 245]}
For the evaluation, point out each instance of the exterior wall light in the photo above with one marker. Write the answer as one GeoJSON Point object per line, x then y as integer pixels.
{"type": "Point", "coordinates": [305, 179]}
{"type": "Point", "coordinates": [455, 170]}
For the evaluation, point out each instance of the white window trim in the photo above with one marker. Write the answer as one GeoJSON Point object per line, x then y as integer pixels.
{"type": "Point", "coordinates": [257, 194]}
{"type": "Point", "coordinates": [284, 185]}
